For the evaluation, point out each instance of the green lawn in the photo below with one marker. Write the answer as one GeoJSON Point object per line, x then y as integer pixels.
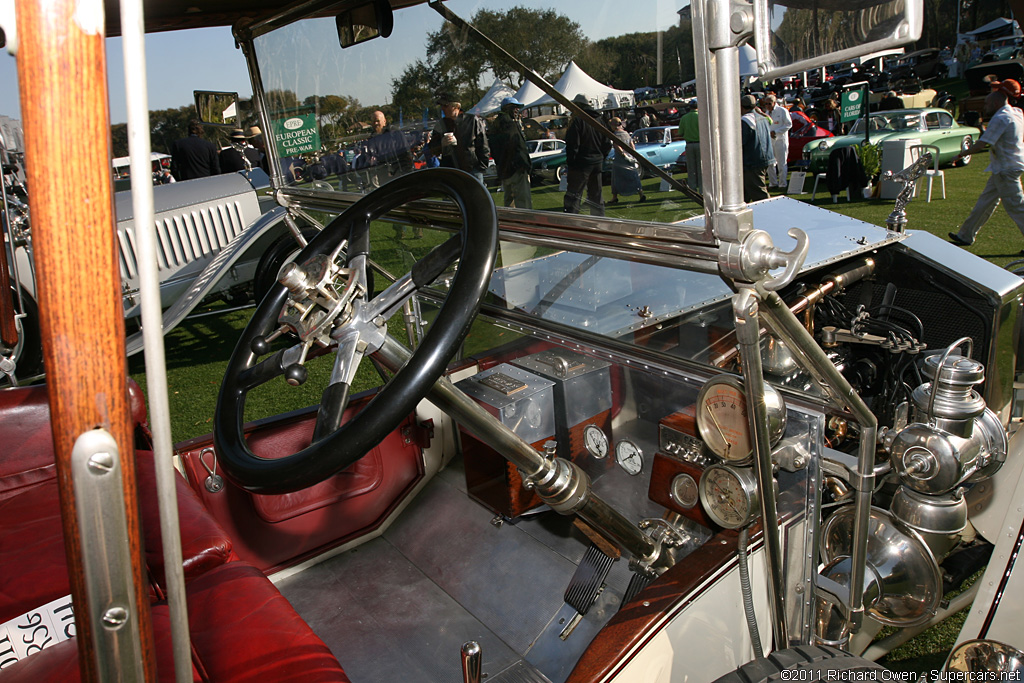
{"type": "Point", "coordinates": [198, 350]}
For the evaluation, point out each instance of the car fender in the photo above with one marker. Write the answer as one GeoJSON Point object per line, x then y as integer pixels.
{"type": "Point", "coordinates": [212, 274]}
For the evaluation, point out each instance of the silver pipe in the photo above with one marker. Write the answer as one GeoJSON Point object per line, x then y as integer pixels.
{"type": "Point", "coordinates": [258, 98]}
{"type": "Point", "coordinates": [602, 517]}
{"type": "Point", "coordinates": [709, 149]}
{"type": "Point", "coordinates": [814, 360]}
{"type": "Point", "coordinates": [745, 312]}
{"type": "Point", "coordinates": [133, 37]}
{"type": "Point", "coordinates": [730, 146]}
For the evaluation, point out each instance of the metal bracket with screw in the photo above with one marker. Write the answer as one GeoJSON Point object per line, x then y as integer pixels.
{"type": "Point", "coordinates": [103, 529]}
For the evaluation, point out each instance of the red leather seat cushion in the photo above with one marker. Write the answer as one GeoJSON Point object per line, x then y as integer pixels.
{"type": "Point", "coordinates": [33, 569]}
{"type": "Point", "coordinates": [204, 544]}
{"type": "Point", "coordinates": [28, 442]}
{"type": "Point", "coordinates": [241, 630]}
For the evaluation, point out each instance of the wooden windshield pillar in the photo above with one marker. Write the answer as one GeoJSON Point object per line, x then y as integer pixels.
{"type": "Point", "coordinates": [63, 87]}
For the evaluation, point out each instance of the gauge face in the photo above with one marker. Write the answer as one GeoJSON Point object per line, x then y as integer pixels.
{"type": "Point", "coordinates": [722, 419]}
{"type": "Point", "coordinates": [629, 456]}
{"type": "Point", "coordinates": [595, 441]}
{"type": "Point", "coordinates": [729, 495]}
{"type": "Point", "coordinates": [684, 490]}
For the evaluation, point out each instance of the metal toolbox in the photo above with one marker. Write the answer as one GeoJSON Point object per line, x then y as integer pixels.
{"type": "Point", "coordinates": [524, 403]}
{"type": "Point", "coordinates": [583, 396]}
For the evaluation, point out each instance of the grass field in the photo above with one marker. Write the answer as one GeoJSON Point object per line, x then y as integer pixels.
{"type": "Point", "coordinates": [198, 350]}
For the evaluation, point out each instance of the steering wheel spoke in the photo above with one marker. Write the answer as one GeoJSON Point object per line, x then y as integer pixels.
{"type": "Point", "coordinates": [326, 305]}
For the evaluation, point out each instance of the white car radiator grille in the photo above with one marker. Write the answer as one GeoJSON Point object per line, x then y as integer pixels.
{"type": "Point", "coordinates": [184, 237]}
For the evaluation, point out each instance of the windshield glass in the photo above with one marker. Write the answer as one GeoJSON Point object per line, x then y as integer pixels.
{"type": "Point", "coordinates": [351, 119]}
{"type": "Point", "coordinates": [888, 123]}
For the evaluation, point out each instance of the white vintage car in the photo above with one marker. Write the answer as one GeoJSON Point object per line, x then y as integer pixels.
{"type": "Point", "coordinates": [731, 446]}
{"type": "Point", "coordinates": [221, 237]}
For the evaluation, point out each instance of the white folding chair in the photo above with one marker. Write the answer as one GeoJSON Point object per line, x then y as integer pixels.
{"type": "Point", "coordinates": [932, 173]}
{"type": "Point", "coordinates": [814, 192]}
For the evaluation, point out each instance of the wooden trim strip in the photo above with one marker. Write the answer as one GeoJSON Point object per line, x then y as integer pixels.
{"type": "Point", "coordinates": [63, 87]}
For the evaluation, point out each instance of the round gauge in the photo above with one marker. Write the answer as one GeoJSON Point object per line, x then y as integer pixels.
{"type": "Point", "coordinates": [729, 495]}
{"type": "Point", "coordinates": [629, 456]}
{"type": "Point", "coordinates": [684, 490]}
{"type": "Point", "coordinates": [722, 418]}
{"type": "Point", "coordinates": [595, 441]}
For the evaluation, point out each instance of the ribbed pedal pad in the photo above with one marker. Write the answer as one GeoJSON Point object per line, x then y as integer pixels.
{"type": "Point", "coordinates": [587, 582]}
{"type": "Point", "coordinates": [636, 584]}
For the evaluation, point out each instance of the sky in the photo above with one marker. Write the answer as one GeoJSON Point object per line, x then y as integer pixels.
{"type": "Point", "coordinates": [206, 59]}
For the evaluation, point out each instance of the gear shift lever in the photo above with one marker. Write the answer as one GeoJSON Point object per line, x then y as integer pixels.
{"type": "Point", "coordinates": [471, 660]}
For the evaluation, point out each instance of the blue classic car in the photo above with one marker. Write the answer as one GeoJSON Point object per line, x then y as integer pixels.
{"type": "Point", "coordinates": [662, 145]}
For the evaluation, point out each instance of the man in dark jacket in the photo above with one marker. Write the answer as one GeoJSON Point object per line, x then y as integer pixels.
{"type": "Point", "coordinates": [233, 158]}
{"type": "Point", "coordinates": [508, 144]}
{"type": "Point", "coordinates": [194, 157]}
{"type": "Point", "coordinates": [460, 139]}
{"type": "Point", "coordinates": [585, 152]}
{"type": "Point", "coordinates": [757, 150]}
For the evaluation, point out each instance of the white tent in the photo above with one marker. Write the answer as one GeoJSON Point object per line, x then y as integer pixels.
{"type": "Point", "coordinates": [575, 81]}
{"type": "Point", "coordinates": [529, 92]}
{"type": "Point", "coordinates": [491, 102]}
{"type": "Point", "coordinates": [995, 29]}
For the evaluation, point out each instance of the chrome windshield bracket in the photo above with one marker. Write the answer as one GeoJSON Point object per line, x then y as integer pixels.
{"type": "Point", "coordinates": [746, 305]}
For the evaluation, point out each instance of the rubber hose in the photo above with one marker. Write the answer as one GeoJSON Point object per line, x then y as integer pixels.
{"type": "Point", "coordinates": [748, 597]}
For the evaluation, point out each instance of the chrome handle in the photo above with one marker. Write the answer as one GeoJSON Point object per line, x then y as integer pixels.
{"type": "Point", "coordinates": [471, 662]}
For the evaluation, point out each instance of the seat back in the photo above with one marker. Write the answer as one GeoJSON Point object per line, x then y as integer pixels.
{"type": "Point", "coordinates": [918, 151]}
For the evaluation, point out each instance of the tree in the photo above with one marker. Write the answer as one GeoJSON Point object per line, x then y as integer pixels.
{"type": "Point", "coordinates": [336, 114]}
{"type": "Point", "coordinates": [417, 87]}
{"type": "Point", "coordinates": [542, 39]}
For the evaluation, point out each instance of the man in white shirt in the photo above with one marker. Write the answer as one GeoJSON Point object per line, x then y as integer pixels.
{"type": "Point", "coordinates": [1005, 137]}
{"type": "Point", "coordinates": [781, 123]}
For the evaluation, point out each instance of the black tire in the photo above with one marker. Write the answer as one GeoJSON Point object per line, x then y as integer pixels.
{"type": "Point", "coordinates": [279, 253]}
{"type": "Point", "coordinates": [560, 173]}
{"type": "Point", "coordinates": [812, 661]}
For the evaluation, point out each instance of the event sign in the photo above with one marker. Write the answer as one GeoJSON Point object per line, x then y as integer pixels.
{"type": "Point", "coordinates": [296, 135]}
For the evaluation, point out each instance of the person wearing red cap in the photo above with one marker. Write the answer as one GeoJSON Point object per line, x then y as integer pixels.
{"type": "Point", "coordinates": [1004, 135]}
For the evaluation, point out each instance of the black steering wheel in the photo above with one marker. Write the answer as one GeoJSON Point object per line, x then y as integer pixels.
{"type": "Point", "coordinates": [325, 304]}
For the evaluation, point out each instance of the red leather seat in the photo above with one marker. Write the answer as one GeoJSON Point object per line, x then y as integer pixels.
{"type": "Point", "coordinates": [242, 630]}
{"type": "Point", "coordinates": [242, 627]}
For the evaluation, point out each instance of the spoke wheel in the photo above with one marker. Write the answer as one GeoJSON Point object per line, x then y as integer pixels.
{"type": "Point", "coordinates": [345, 320]}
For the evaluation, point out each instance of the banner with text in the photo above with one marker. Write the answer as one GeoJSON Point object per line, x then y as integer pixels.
{"type": "Point", "coordinates": [295, 135]}
{"type": "Point", "coordinates": [850, 107]}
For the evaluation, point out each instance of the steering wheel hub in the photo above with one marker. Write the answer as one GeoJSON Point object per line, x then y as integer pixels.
{"type": "Point", "coordinates": [326, 301]}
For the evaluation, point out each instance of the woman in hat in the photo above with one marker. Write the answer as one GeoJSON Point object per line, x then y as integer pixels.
{"type": "Point", "coordinates": [625, 169]}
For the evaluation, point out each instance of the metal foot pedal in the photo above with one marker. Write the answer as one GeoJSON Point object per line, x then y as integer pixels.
{"type": "Point", "coordinates": [636, 584]}
{"type": "Point", "coordinates": [586, 585]}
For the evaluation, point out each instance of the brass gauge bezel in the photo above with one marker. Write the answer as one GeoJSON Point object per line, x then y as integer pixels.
{"type": "Point", "coordinates": [723, 425]}
{"type": "Point", "coordinates": [734, 505]}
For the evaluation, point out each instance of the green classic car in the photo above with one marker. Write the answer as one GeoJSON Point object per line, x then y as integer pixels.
{"type": "Point", "coordinates": [932, 126]}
